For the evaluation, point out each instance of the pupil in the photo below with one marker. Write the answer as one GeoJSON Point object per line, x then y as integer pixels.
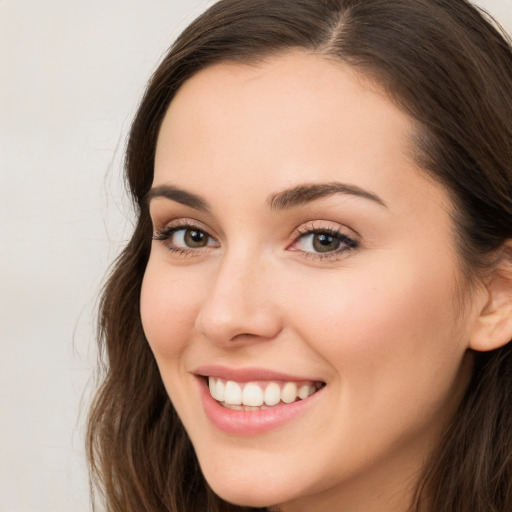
{"type": "Point", "coordinates": [195, 238]}
{"type": "Point", "coordinates": [325, 243]}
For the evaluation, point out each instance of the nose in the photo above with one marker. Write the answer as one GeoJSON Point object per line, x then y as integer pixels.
{"type": "Point", "coordinates": [239, 305]}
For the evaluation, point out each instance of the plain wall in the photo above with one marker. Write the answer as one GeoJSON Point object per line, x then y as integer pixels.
{"type": "Point", "coordinates": [72, 72]}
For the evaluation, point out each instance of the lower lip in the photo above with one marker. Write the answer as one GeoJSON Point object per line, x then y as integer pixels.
{"type": "Point", "coordinates": [250, 423]}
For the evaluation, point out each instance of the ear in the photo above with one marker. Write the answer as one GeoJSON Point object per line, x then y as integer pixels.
{"type": "Point", "coordinates": [493, 327]}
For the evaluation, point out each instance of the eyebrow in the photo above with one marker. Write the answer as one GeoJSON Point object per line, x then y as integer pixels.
{"type": "Point", "coordinates": [304, 194]}
{"type": "Point", "coordinates": [179, 195]}
{"type": "Point", "coordinates": [286, 199]}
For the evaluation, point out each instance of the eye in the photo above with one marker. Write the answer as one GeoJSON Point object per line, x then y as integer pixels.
{"type": "Point", "coordinates": [190, 238]}
{"type": "Point", "coordinates": [323, 241]}
{"type": "Point", "coordinates": [184, 238]}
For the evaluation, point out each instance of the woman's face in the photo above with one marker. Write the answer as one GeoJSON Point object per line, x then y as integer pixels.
{"type": "Point", "coordinates": [302, 261]}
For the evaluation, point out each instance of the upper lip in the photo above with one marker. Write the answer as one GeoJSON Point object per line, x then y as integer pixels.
{"type": "Point", "coordinates": [249, 374]}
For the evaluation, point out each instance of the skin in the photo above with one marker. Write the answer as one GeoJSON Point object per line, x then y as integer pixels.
{"type": "Point", "coordinates": [383, 324]}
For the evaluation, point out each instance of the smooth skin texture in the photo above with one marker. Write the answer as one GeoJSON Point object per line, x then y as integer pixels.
{"type": "Point", "coordinates": [380, 320]}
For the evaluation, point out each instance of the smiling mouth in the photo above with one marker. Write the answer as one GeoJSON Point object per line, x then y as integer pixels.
{"type": "Point", "coordinates": [260, 395]}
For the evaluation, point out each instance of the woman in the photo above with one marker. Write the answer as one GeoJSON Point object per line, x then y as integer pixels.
{"type": "Point", "coordinates": [315, 309]}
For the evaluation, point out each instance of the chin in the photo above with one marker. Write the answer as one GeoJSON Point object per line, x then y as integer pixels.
{"type": "Point", "coordinates": [248, 490]}
{"type": "Point", "coordinates": [248, 499]}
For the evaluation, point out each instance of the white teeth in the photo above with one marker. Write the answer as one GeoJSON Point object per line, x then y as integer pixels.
{"type": "Point", "coordinates": [212, 386]}
{"type": "Point", "coordinates": [233, 393]}
{"type": "Point", "coordinates": [304, 391]}
{"type": "Point", "coordinates": [221, 390]}
{"type": "Point", "coordinates": [217, 389]}
{"type": "Point", "coordinates": [272, 394]}
{"type": "Point", "coordinates": [251, 395]}
{"type": "Point", "coordinates": [289, 392]}
{"type": "Point", "coordinates": [235, 407]}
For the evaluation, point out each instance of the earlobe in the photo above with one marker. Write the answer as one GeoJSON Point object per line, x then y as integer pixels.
{"type": "Point", "coordinates": [493, 327]}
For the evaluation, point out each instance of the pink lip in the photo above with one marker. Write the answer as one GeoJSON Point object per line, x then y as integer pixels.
{"type": "Point", "coordinates": [249, 423]}
{"type": "Point", "coordinates": [249, 374]}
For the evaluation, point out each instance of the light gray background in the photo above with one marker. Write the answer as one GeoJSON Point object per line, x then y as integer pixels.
{"type": "Point", "coordinates": [72, 72]}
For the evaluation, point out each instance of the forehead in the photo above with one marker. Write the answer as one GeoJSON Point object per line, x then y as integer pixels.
{"type": "Point", "coordinates": [293, 118]}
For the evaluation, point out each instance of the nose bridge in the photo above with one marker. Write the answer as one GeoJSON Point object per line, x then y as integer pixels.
{"type": "Point", "coordinates": [239, 303]}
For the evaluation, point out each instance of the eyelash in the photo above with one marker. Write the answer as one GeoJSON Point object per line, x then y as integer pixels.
{"type": "Point", "coordinates": [166, 233]}
{"type": "Point", "coordinates": [348, 243]}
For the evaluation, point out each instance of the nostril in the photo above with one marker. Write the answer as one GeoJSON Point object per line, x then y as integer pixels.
{"type": "Point", "coordinates": [244, 335]}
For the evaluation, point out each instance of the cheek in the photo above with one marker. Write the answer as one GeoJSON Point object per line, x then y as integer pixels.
{"type": "Point", "coordinates": [387, 331]}
{"type": "Point", "coordinates": [168, 309]}
{"type": "Point", "coordinates": [394, 350]}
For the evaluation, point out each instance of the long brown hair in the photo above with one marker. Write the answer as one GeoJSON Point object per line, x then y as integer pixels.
{"type": "Point", "coordinates": [449, 68]}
